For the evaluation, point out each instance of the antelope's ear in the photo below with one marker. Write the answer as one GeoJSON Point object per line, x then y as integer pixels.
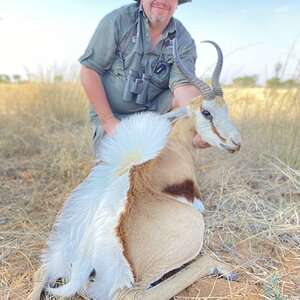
{"type": "Point", "coordinates": [176, 114]}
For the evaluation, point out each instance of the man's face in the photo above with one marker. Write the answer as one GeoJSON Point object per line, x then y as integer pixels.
{"type": "Point", "coordinates": [159, 11]}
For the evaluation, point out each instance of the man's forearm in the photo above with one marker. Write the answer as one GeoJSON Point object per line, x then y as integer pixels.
{"type": "Point", "coordinates": [93, 86]}
{"type": "Point", "coordinates": [183, 94]}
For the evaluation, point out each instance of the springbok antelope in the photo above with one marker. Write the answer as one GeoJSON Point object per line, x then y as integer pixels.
{"type": "Point", "coordinates": [132, 220]}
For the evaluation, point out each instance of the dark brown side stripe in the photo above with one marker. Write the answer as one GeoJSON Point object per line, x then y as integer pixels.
{"type": "Point", "coordinates": [185, 189]}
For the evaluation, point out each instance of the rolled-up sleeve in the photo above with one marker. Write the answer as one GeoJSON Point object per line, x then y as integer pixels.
{"type": "Point", "coordinates": [188, 56]}
{"type": "Point", "coordinates": [101, 51]}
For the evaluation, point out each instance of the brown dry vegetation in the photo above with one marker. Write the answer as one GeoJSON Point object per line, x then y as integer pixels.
{"type": "Point", "coordinates": [252, 198]}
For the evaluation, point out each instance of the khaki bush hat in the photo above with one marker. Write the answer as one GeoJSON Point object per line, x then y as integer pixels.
{"type": "Point", "coordinates": [179, 2]}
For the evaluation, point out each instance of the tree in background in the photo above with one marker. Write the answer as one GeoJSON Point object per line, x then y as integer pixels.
{"type": "Point", "coordinates": [17, 78]}
{"type": "Point", "coordinates": [290, 83]}
{"type": "Point", "coordinates": [245, 81]}
{"type": "Point", "coordinates": [58, 78]}
{"type": "Point", "coordinates": [273, 82]}
{"type": "Point", "coordinates": [4, 78]}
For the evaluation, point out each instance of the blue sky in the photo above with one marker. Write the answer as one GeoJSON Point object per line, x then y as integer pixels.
{"type": "Point", "coordinates": [254, 35]}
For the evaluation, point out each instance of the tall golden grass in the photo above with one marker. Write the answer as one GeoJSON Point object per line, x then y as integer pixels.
{"type": "Point", "coordinates": [252, 198]}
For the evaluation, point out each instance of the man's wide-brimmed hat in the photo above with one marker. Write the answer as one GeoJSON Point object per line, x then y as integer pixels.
{"type": "Point", "coordinates": [179, 2]}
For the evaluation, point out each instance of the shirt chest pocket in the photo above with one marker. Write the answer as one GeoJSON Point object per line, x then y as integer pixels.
{"type": "Point", "coordinates": [161, 71]}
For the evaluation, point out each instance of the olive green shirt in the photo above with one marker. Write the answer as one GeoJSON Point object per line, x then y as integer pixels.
{"type": "Point", "coordinates": [126, 31]}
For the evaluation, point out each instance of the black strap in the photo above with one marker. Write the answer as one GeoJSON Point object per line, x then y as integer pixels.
{"type": "Point", "coordinates": [121, 51]}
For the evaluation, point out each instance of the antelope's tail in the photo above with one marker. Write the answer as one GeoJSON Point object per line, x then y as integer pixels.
{"type": "Point", "coordinates": [138, 139]}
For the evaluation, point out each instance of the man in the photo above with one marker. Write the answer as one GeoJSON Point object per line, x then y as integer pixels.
{"type": "Point", "coordinates": [128, 65]}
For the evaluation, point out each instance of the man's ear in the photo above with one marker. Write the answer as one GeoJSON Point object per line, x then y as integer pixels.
{"type": "Point", "coordinates": [176, 114]}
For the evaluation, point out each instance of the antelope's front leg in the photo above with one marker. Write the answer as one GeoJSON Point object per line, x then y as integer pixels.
{"type": "Point", "coordinates": [203, 266]}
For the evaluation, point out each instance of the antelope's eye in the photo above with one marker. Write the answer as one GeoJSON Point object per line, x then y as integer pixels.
{"type": "Point", "coordinates": [207, 115]}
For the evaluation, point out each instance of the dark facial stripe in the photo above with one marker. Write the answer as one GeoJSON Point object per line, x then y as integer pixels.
{"type": "Point", "coordinates": [214, 130]}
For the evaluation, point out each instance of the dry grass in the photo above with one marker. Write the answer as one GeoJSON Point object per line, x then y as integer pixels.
{"type": "Point", "coordinates": [252, 198]}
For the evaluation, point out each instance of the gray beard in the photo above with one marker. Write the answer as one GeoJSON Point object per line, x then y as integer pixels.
{"type": "Point", "coordinates": [158, 19]}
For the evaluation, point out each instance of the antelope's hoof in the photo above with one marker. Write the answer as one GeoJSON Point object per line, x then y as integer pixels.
{"type": "Point", "coordinates": [233, 276]}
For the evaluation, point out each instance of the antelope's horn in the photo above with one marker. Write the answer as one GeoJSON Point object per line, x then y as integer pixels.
{"type": "Point", "coordinates": [205, 90]}
{"type": "Point", "coordinates": [215, 81]}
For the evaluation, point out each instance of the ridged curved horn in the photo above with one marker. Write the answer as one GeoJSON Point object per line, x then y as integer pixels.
{"type": "Point", "coordinates": [215, 81]}
{"type": "Point", "coordinates": [205, 90]}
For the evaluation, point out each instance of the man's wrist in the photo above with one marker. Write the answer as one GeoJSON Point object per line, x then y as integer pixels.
{"type": "Point", "coordinates": [109, 119]}
{"type": "Point", "coordinates": [198, 142]}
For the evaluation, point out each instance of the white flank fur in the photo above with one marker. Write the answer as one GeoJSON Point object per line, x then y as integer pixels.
{"type": "Point", "coordinates": [197, 203]}
{"type": "Point", "coordinates": [84, 236]}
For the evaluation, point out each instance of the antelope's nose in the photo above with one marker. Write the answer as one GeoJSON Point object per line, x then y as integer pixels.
{"type": "Point", "coordinates": [237, 143]}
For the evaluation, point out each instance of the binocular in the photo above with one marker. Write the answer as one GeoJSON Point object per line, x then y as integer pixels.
{"type": "Point", "coordinates": [136, 88]}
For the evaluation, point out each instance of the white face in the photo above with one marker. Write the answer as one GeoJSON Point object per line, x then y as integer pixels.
{"type": "Point", "coordinates": [214, 126]}
{"type": "Point", "coordinates": [159, 11]}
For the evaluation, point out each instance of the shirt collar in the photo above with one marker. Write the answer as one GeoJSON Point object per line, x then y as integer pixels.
{"type": "Point", "coordinates": [171, 28]}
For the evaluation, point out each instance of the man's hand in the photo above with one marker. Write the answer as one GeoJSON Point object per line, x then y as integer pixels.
{"type": "Point", "coordinates": [199, 143]}
{"type": "Point", "coordinates": [110, 125]}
